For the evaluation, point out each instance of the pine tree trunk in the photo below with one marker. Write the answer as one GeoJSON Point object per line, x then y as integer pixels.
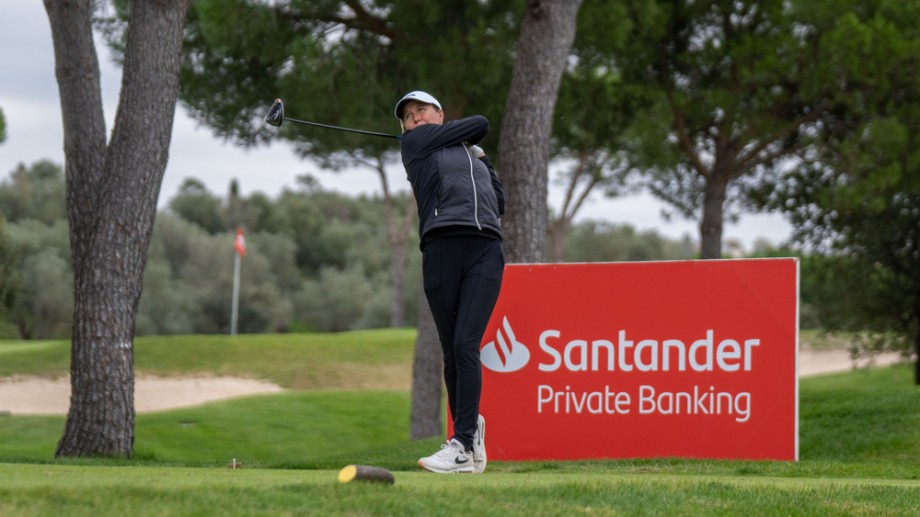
{"type": "Point", "coordinates": [713, 218]}
{"type": "Point", "coordinates": [427, 378]}
{"type": "Point", "coordinates": [547, 33]}
{"type": "Point", "coordinates": [558, 231]}
{"type": "Point", "coordinates": [399, 236]}
{"type": "Point", "coordinates": [917, 361]}
{"type": "Point", "coordinates": [112, 194]}
{"type": "Point", "coordinates": [398, 283]}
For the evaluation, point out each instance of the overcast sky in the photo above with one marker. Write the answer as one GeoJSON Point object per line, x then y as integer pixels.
{"type": "Point", "coordinates": [29, 100]}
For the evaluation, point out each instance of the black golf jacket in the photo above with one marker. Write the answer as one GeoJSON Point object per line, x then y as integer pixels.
{"type": "Point", "coordinates": [453, 188]}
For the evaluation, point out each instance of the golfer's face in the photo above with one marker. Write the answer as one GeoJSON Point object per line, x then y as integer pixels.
{"type": "Point", "coordinates": [417, 113]}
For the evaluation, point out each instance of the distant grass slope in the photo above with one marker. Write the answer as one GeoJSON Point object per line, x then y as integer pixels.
{"type": "Point", "coordinates": [349, 392]}
{"type": "Point", "coordinates": [369, 359]}
{"type": "Point", "coordinates": [376, 359]}
{"type": "Point", "coordinates": [44, 358]}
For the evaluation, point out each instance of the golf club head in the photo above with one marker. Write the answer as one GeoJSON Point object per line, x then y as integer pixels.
{"type": "Point", "coordinates": [276, 113]}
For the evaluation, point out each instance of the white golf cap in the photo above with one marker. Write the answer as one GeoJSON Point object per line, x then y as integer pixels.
{"type": "Point", "coordinates": [417, 95]}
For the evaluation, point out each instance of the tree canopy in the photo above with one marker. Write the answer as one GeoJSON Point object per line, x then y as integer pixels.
{"type": "Point", "coordinates": [344, 64]}
{"type": "Point", "coordinates": [740, 85]}
{"type": "Point", "coordinates": [855, 194]}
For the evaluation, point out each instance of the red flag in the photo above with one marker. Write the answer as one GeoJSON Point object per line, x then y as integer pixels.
{"type": "Point", "coordinates": [239, 244]}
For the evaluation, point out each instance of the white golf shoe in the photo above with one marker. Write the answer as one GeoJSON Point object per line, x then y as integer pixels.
{"type": "Point", "coordinates": [452, 458]}
{"type": "Point", "coordinates": [479, 446]}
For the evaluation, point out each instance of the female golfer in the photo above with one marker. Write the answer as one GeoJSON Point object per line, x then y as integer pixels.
{"type": "Point", "coordinates": [459, 202]}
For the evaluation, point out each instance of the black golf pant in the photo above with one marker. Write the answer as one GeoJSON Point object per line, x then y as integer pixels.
{"type": "Point", "coordinates": [462, 276]}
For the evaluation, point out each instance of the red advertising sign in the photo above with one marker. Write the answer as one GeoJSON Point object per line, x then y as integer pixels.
{"type": "Point", "coordinates": [693, 359]}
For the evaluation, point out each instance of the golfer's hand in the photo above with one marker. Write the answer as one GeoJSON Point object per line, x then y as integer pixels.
{"type": "Point", "coordinates": [476, 150]}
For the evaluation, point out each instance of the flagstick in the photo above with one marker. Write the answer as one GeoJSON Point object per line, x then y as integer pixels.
{"type": "Point", "coordinates": [236, 293]}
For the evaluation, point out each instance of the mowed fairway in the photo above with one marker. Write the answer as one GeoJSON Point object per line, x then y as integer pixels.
{"type": "Point", "coordinates": [134, 490]}
{"type": "Point", "coordinates": [859, 448]}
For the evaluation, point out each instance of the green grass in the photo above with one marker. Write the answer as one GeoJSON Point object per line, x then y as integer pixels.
{"type": "Point", "coordinates": [100, 490]}
{"type": "Point", "coordinates": [348, 360]}
{"type": "Point", "coordinates": [869, 416]}
{"type": "Point", "coordinates": [290, 428]}
{"type": "Point", "coordinates": [859, 447]}
{"type": "Point", "coordinates": [44, 358]}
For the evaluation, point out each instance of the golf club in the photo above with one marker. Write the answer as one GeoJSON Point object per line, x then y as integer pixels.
{"type": "Point", "coordinates": [276, 116]}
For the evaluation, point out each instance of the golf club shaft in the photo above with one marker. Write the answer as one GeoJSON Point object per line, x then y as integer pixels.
{"type": "Point", "coordinates": [361, 131]}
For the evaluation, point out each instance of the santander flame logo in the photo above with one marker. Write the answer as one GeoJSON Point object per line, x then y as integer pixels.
{"type": "Point", "coordinates": [504, 355]}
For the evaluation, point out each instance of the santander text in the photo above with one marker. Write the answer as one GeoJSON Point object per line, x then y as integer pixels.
{"type": "Point", "coordinates": [646, 355]}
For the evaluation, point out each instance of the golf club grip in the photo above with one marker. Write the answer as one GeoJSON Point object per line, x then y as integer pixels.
{"type": "Point", "coordinates": [361, 131]}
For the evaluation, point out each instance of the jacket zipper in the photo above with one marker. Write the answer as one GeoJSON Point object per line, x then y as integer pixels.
{"type": "Point", "coordinates": [475, 194]}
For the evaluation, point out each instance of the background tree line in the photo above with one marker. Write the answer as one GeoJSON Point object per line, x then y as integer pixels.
{"type": "Point", "coordinates": [315, 261]}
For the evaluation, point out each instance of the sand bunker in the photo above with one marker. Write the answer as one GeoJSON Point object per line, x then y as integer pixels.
{"type": "Point", "coordinates": [40, 396]}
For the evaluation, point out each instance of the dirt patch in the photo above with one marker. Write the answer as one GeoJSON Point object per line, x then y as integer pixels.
{"type": "Point", "coordinates": [40, 396]}
{"type": "Point", "coordinates": [818, 362]}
